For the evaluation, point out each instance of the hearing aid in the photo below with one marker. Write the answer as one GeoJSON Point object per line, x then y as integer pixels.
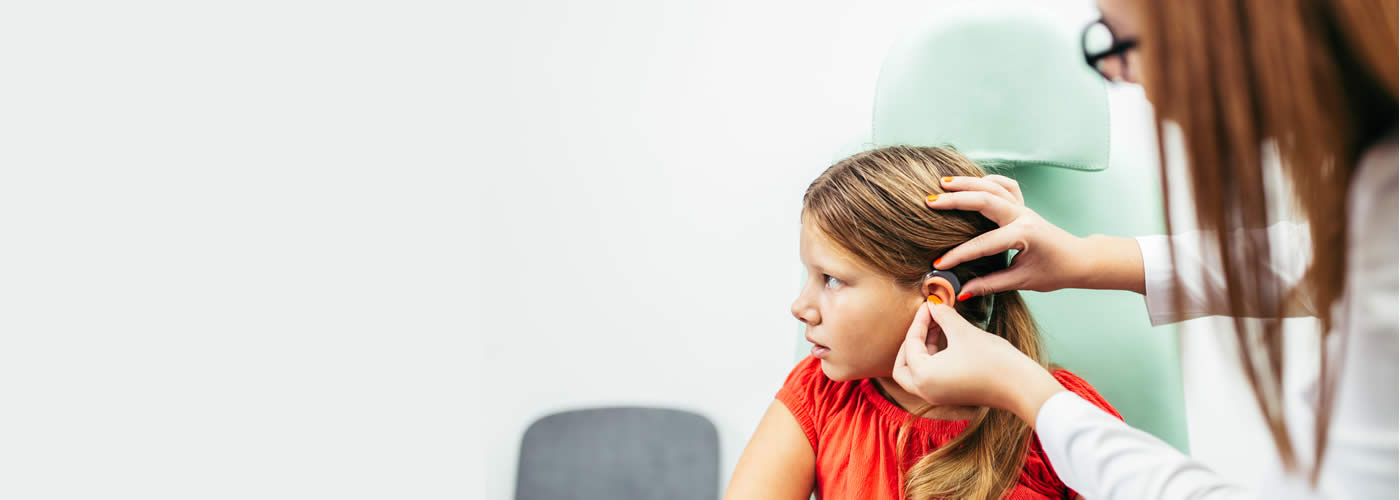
{"type": "Point", "coordinates": [951, 278]}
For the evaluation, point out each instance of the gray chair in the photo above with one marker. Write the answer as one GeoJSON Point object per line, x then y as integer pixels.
{"type": "Point", "coordinates": [619, 453]}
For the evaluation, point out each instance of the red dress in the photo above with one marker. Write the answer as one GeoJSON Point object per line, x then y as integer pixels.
{"type": "Point", "coordinates": [853, 430]}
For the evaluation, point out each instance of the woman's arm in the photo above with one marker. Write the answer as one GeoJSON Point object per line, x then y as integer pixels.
{"type": "Point", "coordinates": [778, 462]}
{"type": "Point", "coordinates": [1050, 259]}
{"type": "Point", "coordinates": [1102, 457]}
{"type": "Point", "coordinates": [1202, 281]}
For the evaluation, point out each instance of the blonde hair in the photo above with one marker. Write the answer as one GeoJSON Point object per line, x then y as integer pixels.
{"type": "Point", "coordinates": [871, 205]}
{"type": "Point", "coordinates": [1318, 80]}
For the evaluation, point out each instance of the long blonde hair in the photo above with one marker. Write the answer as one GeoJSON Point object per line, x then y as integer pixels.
{"type": "Point", "coordinates": [872, 206]}
{"type": "Point", "coordinates": [1315, 78]}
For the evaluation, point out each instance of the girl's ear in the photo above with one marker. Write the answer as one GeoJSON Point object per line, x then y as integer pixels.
{"type": "Point", "coordinates": [938, 290]}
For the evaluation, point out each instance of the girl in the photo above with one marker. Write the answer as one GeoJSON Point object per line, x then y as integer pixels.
{"type": "Point", "coordinates": [840, 424]}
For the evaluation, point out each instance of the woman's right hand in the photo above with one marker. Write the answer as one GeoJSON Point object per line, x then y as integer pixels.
{"type": "Point", "coordinates": [945, 360]}
{"type": "Point", "coordinates": [1048, 258]}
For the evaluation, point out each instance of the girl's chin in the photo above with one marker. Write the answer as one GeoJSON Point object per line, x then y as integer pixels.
{"type": "Point", "coordinates": [836, 372]}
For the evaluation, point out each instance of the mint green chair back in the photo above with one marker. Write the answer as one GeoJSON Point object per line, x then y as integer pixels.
{"type": "Point", "coordinates": [1006, 86]}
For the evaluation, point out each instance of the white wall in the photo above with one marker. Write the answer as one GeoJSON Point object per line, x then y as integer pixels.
{"type": "Point", "coordinates": [234, 251]}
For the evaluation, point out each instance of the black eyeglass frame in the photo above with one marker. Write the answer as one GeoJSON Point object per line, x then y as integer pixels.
{"type": "Point", "coordinates": [1117, 48]}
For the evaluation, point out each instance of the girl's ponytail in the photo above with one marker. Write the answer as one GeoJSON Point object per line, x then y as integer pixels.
{"type": "Point", "coordinates": [1011, 319]}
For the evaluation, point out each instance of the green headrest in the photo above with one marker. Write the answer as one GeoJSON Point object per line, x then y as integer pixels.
{"type": "Point", "coordinates": [998, 81]}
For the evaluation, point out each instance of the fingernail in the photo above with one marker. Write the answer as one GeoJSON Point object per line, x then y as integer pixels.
{"type": "Point", "coordinates": [934, 299]}
{"type": "Point", "coordinates": [933, 197]}
{"type": "Point", "coordinates": [964, 296]}
{"type": "Point", "coordinates": [936, 261]}
{"type": "Point", "coordinates": [947, 179]}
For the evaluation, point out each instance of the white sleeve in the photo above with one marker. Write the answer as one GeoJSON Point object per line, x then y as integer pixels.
{"type": "Point", "coordinates": [1103, 458]}
{"type": "Point", "coordinates": [1202, 282]}
{"type": "Point", "coordinates": [1100, 457]}
{"type": "Point", "coordinates": [1363, 450]}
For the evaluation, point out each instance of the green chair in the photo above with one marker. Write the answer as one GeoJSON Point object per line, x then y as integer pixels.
{"type": "Point", "coordinates": [1008, 88]}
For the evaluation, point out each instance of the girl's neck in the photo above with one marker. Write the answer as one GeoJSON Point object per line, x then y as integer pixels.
{"type": "Point", "coordinates": [891, 390]}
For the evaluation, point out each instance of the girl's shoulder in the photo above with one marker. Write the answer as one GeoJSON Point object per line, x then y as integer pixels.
{"type": "Point", "coordinates": [807, 386]}
{"type": "Point", "coordinates": [812, 397]}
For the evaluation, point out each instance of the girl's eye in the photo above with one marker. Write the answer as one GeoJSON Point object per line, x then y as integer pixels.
{"type": "Point", "coordinates": [832, 282]}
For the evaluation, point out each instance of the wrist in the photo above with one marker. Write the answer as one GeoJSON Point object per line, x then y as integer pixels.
{"type": "Point", "coordinates": [1032, 389]}
{"type": "Point", "coordinates": [1111, 263]}
{"type": "Point", "coordinates": [1086, 269]}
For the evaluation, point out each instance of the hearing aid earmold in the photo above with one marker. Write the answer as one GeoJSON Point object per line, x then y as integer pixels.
{"type": "Point", "coordinates": [950, 277]}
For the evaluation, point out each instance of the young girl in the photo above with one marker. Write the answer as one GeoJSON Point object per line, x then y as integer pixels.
{"type": "Point", "coordinates": [840, 426]}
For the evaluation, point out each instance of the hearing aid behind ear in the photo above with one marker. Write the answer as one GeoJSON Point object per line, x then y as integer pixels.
{"type": "Point", "coordinates": [950, 277]}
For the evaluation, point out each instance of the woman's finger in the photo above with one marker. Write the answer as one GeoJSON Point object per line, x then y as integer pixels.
{"type": "Point", "coordinates": [996, 208]}
{"type": "Point", "coordinates": [900, 362]}
{"type": "Point", "coordinates": [1011, 186]}
{"type": "Point", "coordinates": [952, 323]}
{"type": "Point", "coordinates": [984, 184]}
{"type": "Point", "coordinates": [914, 349]}
{"type": "Point", "coordinates": [989, 243]}
{"type": "Point", "coordinates": [904, 376]}
{"type": "Point", "coordinates": [1006, 279]}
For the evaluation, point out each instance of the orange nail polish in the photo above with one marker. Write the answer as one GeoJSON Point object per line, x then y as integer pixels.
{"type": "Point", "coordinates": [933, 197]}
{"type": "Point", "coordinates": [964, 296]}
{"type": "Point", "coordinates": [936, 261]}
{"type": "Point", "coordinates": [947, 179]}
{"type": "Point", "coordinates": [934, 299]}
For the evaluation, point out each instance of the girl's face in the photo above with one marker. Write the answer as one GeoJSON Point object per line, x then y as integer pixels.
{"type": "Point", "coordinates": [856, 317]}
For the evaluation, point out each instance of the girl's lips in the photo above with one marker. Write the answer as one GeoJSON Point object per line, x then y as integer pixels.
{"type": "Point", "coordinates": [820, 351]}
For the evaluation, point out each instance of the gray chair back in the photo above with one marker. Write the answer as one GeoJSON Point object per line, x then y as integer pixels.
{"type": "Point", "coordinates": [619, 454]}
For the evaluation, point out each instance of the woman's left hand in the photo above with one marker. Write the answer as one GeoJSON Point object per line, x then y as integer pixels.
{"type": "Point", "coordinates": [964, 365]}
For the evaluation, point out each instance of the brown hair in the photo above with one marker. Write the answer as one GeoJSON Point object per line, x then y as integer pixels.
{"type": "Point", "coordinates": [1317, 80]}
{"type": "Point", "coordinates": [871, 205]}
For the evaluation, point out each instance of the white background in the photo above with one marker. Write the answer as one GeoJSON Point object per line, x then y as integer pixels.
{"type": "Point", "coordinates": [313, 249]}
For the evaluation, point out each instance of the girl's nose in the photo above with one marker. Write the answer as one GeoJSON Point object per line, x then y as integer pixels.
{"type": "Point", "coordinates": [804, 312]}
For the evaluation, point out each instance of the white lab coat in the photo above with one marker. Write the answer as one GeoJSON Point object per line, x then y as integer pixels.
{"type": "Point", "coordinates": [1103, 458]}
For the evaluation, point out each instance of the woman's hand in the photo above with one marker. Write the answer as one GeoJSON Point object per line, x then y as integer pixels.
{"type": "Point", "coordinates": [947, 361]}
{"type": "Point", "coordinates": [1047, 259]}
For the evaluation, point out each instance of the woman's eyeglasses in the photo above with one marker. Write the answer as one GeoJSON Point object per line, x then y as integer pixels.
{"type": "Point", "coordinates": [1101, 46]}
